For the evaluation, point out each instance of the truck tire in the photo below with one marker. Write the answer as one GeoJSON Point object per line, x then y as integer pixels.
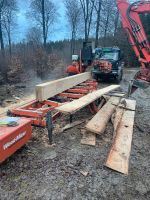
{"type": "Point", "coordinates": [118, 79]}
{"type": "Point", "coordinates": [95, 76]}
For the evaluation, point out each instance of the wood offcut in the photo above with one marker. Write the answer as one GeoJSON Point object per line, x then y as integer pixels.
{"type": "Point", "coordinates": [88, 138]}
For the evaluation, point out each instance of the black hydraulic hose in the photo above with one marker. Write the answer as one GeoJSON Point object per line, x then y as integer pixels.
{"type": "Point", "coordinates": [132, 21]}
{"type": "Point", "coordinates": [134, 24]}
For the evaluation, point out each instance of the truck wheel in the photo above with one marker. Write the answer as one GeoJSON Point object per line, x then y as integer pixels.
{"type": "Point", "coordinates": [119, 77]}
{"type": "Point", "coordinates": [95, 77]}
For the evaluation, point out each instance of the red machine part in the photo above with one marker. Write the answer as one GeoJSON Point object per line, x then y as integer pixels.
{"type": "Point", "coordinates": [13, 138]}
{"type": "Point", "coordinates": [39, 112]}
{"type": "Point", "coordinates": [132, 24]}
{"type": "Point", "coordinates": [104, 65]}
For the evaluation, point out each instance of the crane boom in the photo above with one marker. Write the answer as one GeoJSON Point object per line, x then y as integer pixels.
{"type": "Point", "coordinates": [130, 17]}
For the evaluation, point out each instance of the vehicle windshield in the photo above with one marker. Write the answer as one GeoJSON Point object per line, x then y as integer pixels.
{"type": "Point", "coordinates": [109, 56]}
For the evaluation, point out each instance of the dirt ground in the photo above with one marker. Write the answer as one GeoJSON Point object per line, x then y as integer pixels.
{"type": "Point", "coordinates": [39, 171]}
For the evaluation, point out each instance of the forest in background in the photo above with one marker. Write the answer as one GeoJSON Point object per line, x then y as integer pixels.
{"type": "Point", "coordinates": [87, 20]}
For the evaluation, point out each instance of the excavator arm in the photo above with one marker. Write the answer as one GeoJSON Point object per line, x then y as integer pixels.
{"type": "Point", "coordinates": [130, 17]}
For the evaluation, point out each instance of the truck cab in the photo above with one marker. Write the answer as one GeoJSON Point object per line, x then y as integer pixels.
{"type": "Point", "coordinates": [108, 63]}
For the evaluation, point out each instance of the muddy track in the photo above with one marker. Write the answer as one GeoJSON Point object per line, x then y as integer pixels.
{"type": "Point", "coordinates": [38, 171]}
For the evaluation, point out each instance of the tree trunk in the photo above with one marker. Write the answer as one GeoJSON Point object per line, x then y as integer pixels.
{"type": "Point", "coordinates": [98, 23]}
{"type": "Point", "coordinates": [116, 22]}
{"type": "Point", "coordinates": [43, 23]}
{"type": "Point", "coordinates": [4, 69]}
{"type": "Point", "coordinates": [73, 42]}
{"type": "Point", "coordinates": [1, 35]}
{"type": "Point", "coordinates": [106, 27]}
{"type": "Point", "coordinates": [71, 49]}
{"type": "Point", "coordinates": [86, 20]}
{"type": "Point", "coordinates": [86, 31]}
{"type": "Point", "coordinates": [90, 18]}
{"type": "Point", "coordinates": [9, 41]}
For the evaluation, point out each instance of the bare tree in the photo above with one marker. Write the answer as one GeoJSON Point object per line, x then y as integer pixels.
{"type": "Point", "coordinates": [116, 22]}
{"type": "Point", "coordinates": [1, 31]}
{"type": "Point", "coordinates": [6, 8]}
{"type": "Point", "coordinates": [98, 7]}
{"type": "Point", "coordinates": [34, 35]}
{"type": "Point", "coordinates": [9, 21]}
{"type": "Point", "coordinates": [73, 13]}
{"type": "Point", "coordinates": [44, 12]}
{"type": "Point", "coordinates": [108, 17]}
{"type": "Point", "coordinates": [87, 9]}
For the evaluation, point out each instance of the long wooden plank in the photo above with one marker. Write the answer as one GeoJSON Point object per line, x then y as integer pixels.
{"type": "Point", "coordinates": [50, 89]}
{"type": "Point", "coordinates": [76, 105]}
{"type": "Point", "coordinates": [118, 158]}
{"type": "Point", "coordinates": [99, 122]}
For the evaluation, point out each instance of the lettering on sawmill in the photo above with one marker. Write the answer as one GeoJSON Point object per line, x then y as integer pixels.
{"type": "Point", "coordinates": [16, 139]}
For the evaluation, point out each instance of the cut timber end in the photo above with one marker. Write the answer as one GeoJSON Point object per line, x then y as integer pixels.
{"type": "Point", "coordinates": [118, 158]}
{"type": "Point", "coordinates": [99, 122]}
{"type": "Point", "coordinates": [76, 105]}
{"type": "Point", "coordinates": [88, 138]}
{"type": "Point", "coordinates": [52, 88]}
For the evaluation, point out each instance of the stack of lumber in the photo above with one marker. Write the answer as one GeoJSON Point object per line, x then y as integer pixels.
{"type": "Point", "coordinates": [124, 109]}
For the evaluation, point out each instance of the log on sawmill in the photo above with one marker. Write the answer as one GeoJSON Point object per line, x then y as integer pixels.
{"type": "Point", "coordinates": [52, 88]}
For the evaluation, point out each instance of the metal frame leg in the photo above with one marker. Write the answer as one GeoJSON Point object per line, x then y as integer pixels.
{"type": "Point", "coordinates": [71, 118]}
{"type": "Point", "coordinates": [49, 125]}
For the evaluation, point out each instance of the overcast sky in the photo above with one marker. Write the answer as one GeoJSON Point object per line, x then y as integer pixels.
{"type": "Point", "coordinates": [60, 31]}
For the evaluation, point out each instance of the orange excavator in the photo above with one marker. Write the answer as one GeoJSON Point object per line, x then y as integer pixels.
{"type": "Point", "coordinates": [130, 17]}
